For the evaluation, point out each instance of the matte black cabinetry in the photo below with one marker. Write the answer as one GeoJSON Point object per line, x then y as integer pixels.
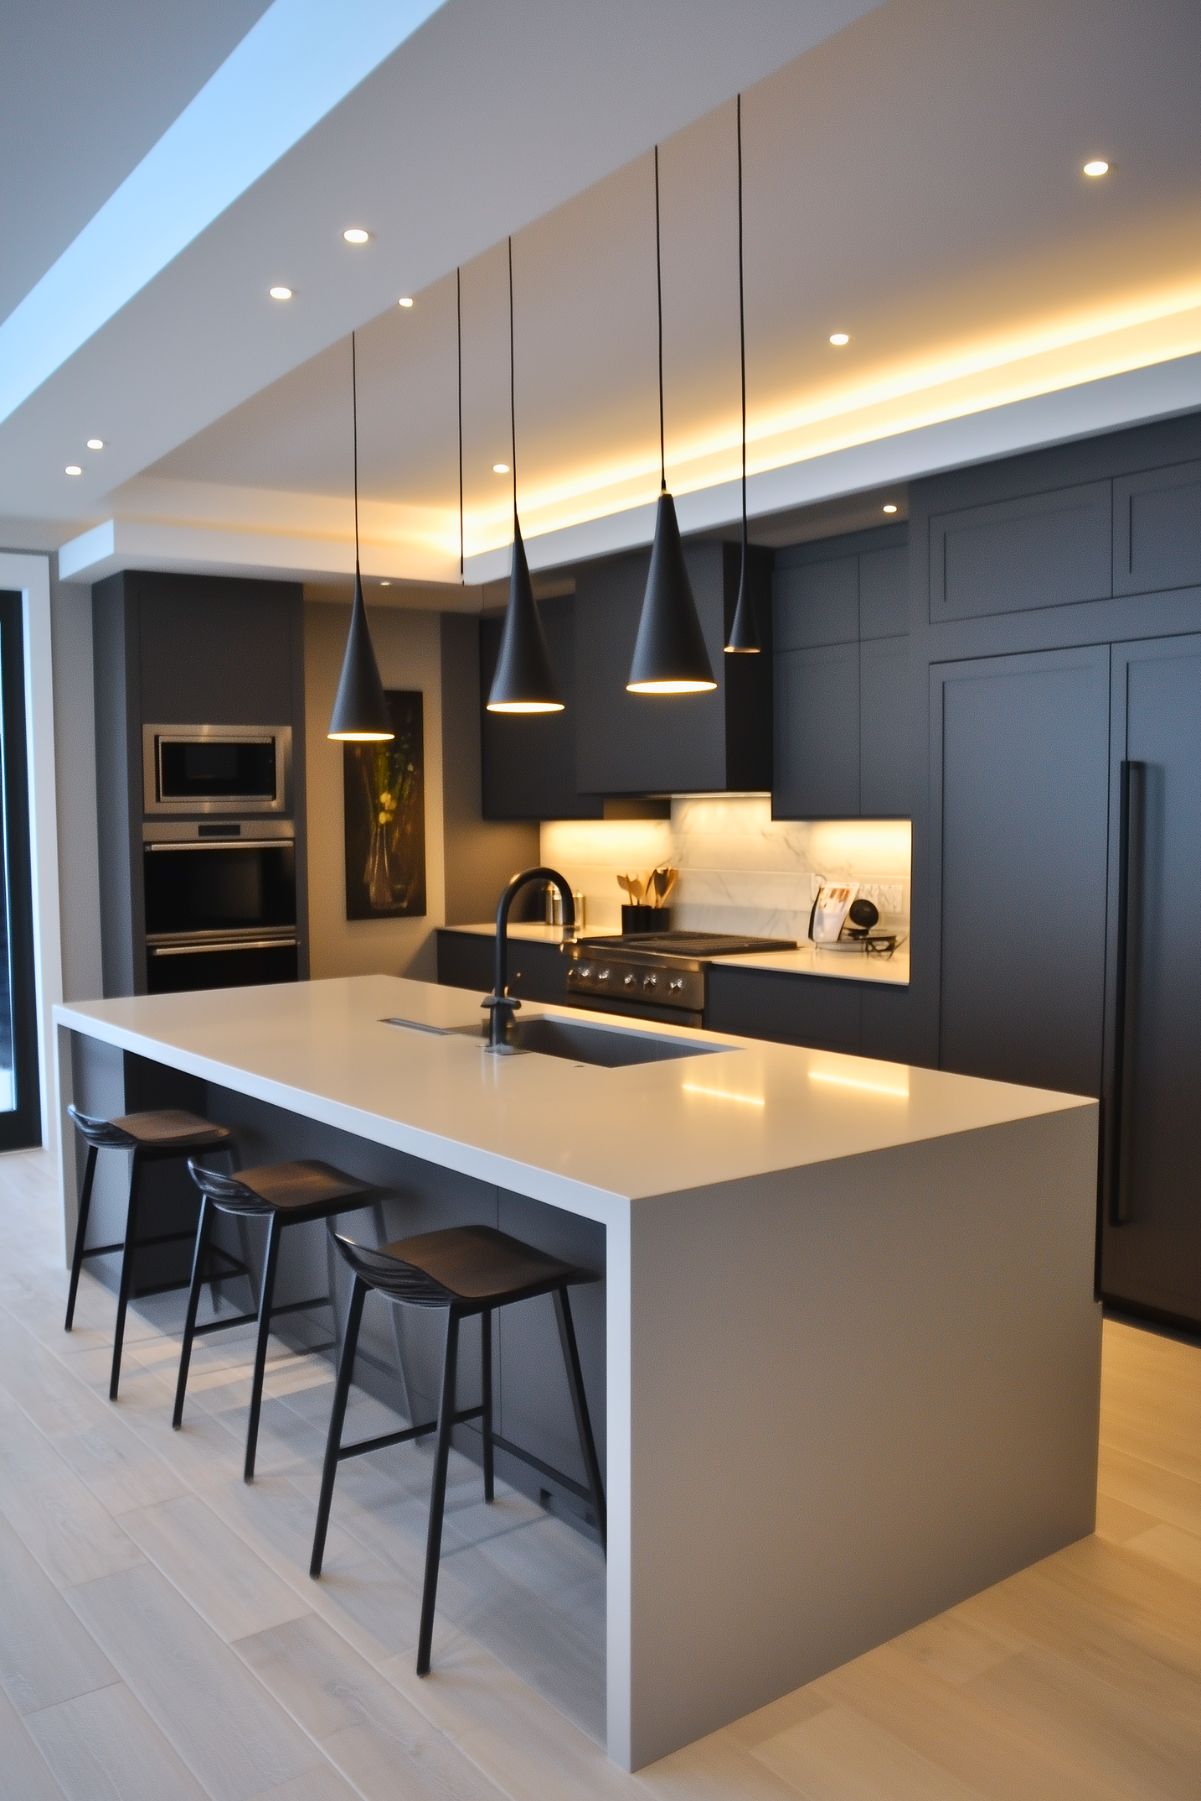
{"type": "Point", "coordinates": [1151, 1215]}
{"type": "Point", "coordinates": [1038, 550]}
{"type": "Point", "coordinates": [1020, 748]}
{"type": "Point", "coordinates": [764, 1003]}
{"type": "Point", "coordinates": [655, 744]}
{"type": "Point", "coordinates": [528, 761]}
{"type": "Point", "coordinates": [1157, 529]}
{"type": "Point", "coordinates": [537, 972]}
{"type": "Point", "coordinates": [843, 718]}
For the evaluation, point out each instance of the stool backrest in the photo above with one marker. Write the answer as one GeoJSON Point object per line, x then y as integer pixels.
{"type": "Point", "coordinates": [225, 1191]}
{"type": "Point", "coordinates": [100, 1132]}
{"type": "Point", "coordinates": [398, 1280]}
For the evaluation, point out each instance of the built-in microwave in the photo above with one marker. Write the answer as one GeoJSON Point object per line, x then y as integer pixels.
{"type": "Point", "coordinates": [216, 768]}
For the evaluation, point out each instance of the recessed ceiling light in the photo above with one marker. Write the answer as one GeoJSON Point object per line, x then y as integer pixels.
{"type": "Point", "coordinates": [500, 468]}
{"type": "Point", "coordinates": [405, 300]}
{"type": "Point", "coordinates": [280, 293]}
{"type": "Point", "coordinates": [839, 338]}
{"type": "Point", "coordinates": [1097, 166]}
{"type": "Point", "coordinates": [95, 443]}
{"type": "Point", "coordinates": [354, 234]}
{"type": "Point", "coordinates": [72, 469]}
{"type": "Point", "coordinates": [890, 506]}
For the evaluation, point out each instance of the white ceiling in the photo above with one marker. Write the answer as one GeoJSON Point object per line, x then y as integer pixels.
{"type": "Point", "coordinates": [87, 90]}
{"type": "Point", "coordinates": [913, 178]}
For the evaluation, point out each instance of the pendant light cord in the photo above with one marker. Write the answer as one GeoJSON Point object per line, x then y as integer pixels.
{"type": "Point", "coordinates": [659, 307]}
{"type": "Point", "coordinates": [741, 319]}
{"type": "Point", "coordinates": [459, 331]}
{"type": "Point", "coordinates": [354, 417]}
{"type": "Point", "coordinates": [512, 391]}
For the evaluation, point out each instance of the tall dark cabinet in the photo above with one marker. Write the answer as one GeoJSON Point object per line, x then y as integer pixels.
{"type": "Point", "coordinates": [186, 650]}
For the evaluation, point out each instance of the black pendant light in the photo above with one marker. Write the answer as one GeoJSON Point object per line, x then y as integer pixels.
{"type": "Point", "coordinates": [523, 682]}
{"type": "Point", "coordinates": [360, 714]}
{"type": "Point", "coordinates": [669, 652]}
{"type": "Point", "coordinates": [744, 630]}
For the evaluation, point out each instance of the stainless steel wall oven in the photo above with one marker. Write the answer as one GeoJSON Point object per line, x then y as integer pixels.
{"type": "Point", "coordinates": [220, 902]}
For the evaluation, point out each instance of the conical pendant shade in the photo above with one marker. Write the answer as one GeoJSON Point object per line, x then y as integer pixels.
{"type": "Point", "coordinates": [523, 682]}
{"type": "Point", "coordinates": [360, 714]}
{"type": "Point", "coordinates": [669, 655]}
{"type": "Point", "coordinates": [744, 630]}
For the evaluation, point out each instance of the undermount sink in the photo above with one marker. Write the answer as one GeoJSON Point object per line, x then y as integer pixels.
{"type": "Point", "coordinates": [578, 1042]}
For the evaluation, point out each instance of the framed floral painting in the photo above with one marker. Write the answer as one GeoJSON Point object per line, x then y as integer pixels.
{"type": "Point", "coordinates": [385, 818]}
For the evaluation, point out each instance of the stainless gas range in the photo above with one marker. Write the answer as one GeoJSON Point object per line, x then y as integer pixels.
{"type": "Point", "coordinates": [654, 975]}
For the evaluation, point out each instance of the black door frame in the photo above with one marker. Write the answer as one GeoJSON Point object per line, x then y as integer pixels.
{"type": "Point", "coordinates": [20, 1129]}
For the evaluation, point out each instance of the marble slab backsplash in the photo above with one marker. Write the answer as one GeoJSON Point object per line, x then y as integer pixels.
{"type": "Point", "coordinates": [740, 870]}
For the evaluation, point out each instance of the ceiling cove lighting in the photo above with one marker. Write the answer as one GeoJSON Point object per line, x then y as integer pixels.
{"type": "Point", "coordinates": [360, 714]}
{"type": "Point", "coordinates": [523, 682]}
{"type": "Point", "coordinates": [669, 653]}
{"type": "Point", "coordinates": [279, 293]}
{"type": "Point", "coordinates": [354, 234]}
{"type": "Point", "coordinates": [1095, 167]}
{"type": "Point", "coordinates": [744, 630]}
{"type": "Point", "coordinates": [839, 338]}
{"type": "Point", "coordinates": [95, 443]}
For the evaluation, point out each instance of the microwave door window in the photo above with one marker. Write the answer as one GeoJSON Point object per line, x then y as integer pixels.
{"type": "Point", "coordinates": [217, 769]}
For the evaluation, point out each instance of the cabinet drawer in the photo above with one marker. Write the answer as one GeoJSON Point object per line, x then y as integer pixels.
{"type": "Point", "coordinates": [1041, 550]}
{"type": "Point", "coordinates": [537, 972]}
{"type": "Point", "coordinates": [816, 603]}
{"type": "Point", "coordinates": [789, 1009]}
{"type": "Point", "coordinates": [1157, 529]}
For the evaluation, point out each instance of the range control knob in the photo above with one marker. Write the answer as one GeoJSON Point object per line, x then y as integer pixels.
{"type": "Point", "coordinates": [602, 975]}
{"type": "Point", "coordinates": [676, 985]}
{"type": "Point", "coordinates": [573, 974]}
{"type": "Point", "coordinates": [649, 982]}
{"type": "Point", "coordinates": [627, 981]}
{"type": "Point", "coordinates": [586, 973]}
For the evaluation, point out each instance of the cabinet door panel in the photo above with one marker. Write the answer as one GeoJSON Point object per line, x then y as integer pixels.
{"type": "Point", "coordinates": [1157, 529]}
{"type": "Point", "coordinates": [1042, 550]}
{"type": "Point", "coordinates": [1020, 750]}
{"type": "Point", "coordinates": [884, 729]}
{"type": "Point", "coordinates": [1153, 1259]}
{"type": "Point", "coordinates": [884, 592]}
{"type": "Point", "coordinates": [790, 1009]}
{"type": "Point", "coordinates": [528, 761]}
{"type": "Point", "coordinates": [816, 603]}
{"type": "Point", "coordinates": [465, 961]}
{"type": "Point", "coordinates": [817, 733]}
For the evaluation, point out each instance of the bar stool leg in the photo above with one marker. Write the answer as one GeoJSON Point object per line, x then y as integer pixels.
{"type": "Point", "coordinates": [189, 1325]}
{"type": "Point", "coordinates": [486, 1385]}
{"type": "Point", "coordinates": [81, 1232]}
{"type": "Point", "coordinates": [127, 1262]}
{"type": "Point", "coordinates": [433, 1548]}
{"type": "Point", "coordinates": [266, 1295]}
{"type": "Point", "coordinates": [575, 1378]}
{"type": "Point", "coordinates": [337, 1416]}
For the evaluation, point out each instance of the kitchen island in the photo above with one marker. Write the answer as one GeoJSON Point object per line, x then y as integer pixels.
{"type": "Point", "coordinates": [850, 1349]}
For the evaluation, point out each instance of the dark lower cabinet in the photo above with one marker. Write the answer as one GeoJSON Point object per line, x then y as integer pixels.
{"type": "Point", "coordinates": [764, 1003]}
{"type": "Point", "coordinates": [1151, 1218]}
{"type": "Point", "coordinates": [1019, 751]}
{"type": "Point", "coordinates": [537, 972]}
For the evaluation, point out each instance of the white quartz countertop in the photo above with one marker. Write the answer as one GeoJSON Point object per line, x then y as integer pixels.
{"type": "Point", "coordinates": [806, 960]}
{"type": "Point", "coordinates": [572, 1134]}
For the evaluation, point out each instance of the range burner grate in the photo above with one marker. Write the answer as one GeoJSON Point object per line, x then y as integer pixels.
{"type": "Point", "coordinates": [696, 944]}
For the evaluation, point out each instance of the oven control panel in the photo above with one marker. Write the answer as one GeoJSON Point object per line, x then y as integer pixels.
{"type": "Point", "coordinates": [612, 974]}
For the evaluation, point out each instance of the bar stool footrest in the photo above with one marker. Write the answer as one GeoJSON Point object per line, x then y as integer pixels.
{"type": "Point", "coordinates": [403, 1437]}
{"type": "Point", "coordinates": [245, 1319]}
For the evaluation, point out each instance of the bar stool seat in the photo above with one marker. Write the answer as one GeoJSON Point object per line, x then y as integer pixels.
{"type": "Point", "coordinates": [463, 1270]}
{"type": "Point", "coordinates": [153, 1136]}
{"type": "Point", "coordinates": [281, 1194]}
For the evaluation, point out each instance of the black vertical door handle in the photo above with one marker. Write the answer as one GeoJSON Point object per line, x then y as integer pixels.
{"type": "Point", "coordinates": [1130, 851]}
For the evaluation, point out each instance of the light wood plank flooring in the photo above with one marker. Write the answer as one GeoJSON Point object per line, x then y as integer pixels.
{"type": "Point", "coordinates": [160, 1639]}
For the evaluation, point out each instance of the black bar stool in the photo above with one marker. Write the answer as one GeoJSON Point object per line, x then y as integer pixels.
{"type": "Point", "coordinates": [464, 1270]}
{"type": "Point", "coordinates": [150, 1137]}
{"type": "Point", "coordinates": [283, 1194]}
